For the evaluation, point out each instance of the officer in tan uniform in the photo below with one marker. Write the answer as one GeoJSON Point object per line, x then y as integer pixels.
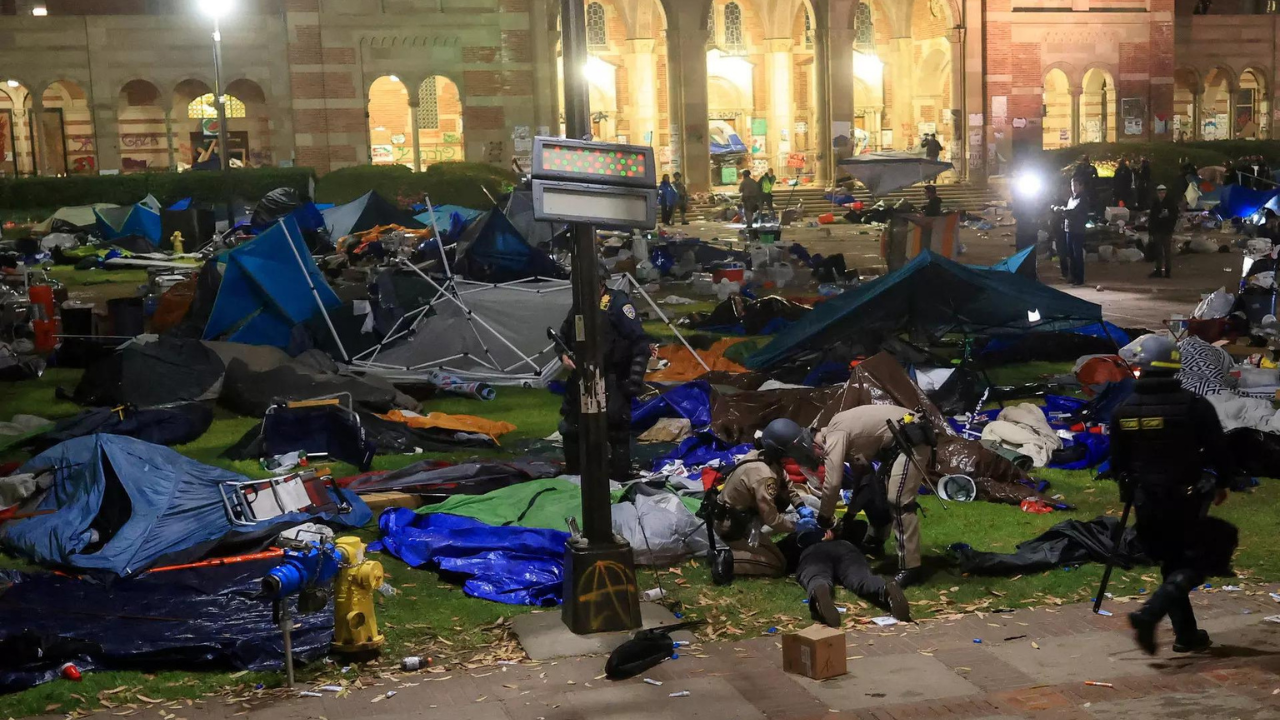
{"type": "Point", "coordinates": [757, 494]}
{"type": "Point", "coordinates": [858, 436]}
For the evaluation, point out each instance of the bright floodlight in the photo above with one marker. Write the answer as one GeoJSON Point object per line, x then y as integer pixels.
{"type": "Point", "coordinates": [216, 8]}
{"type": "Point", "coordinates": [13, 83]}
{"type": "Point", "coordinates": [40, 11]}
{"type": "Point", "coordinates": [1029, 185]}
{"type": "Point", "coordinates": [393, 78]}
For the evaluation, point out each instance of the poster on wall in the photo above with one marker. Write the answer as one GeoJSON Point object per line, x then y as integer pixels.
{"type": "Point", "coordinates": [975, 120]}
{"type": "Point", "coordinates": [759, 166]}
{"type": "Point", "coordinates": [383, 154]}
{"type": "Point", "coordinates": [802, 128]}
{"type": "Point", "coordinates": [840, 132]}
{"type": "Point", "coordinates": [1064, 135]}
{"type": "Point", "coordinates": [1223, 122]}
{"type": "Point", "coordinates": [999, 108]}
{"type": "Point", "coordinates": [1093, 131]}
{"type": "Point", "coordinates": [795, 161]}
{"type": "Point", "coordinates": [759, 126]}
{"type": "Point", "coordinates": [886, 138]}
{"type": "Point", "coordinates": [928, 128]}
{"type": "Point", "coordinates": [1209, 129]}
{"type": "Point", "coordinates": [1177, 126]}
{"type": "Point", "coordinates": [1132, 126]}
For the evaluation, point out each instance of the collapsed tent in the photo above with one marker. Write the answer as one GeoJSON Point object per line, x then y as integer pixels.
{"type": "Point", "coordinates": [138, 220]}
{"type": "Point", "coordinates": [121, 505]}
{"type": "Point", "coordinates": [931, 296]}
{"type": "Point", "coordinates": [519, 210]}
{"type": "Point", "coordinates": [441, 216]}
{"type": "Point", "coordinates": [191, 619]}
{"type": "Point", "coordinates": [514, 565]}
{"type": "Point", "coordinates": [488, 333]}
{"type": "Point", "coordinates": [365, 213]}
{"type": "Point", "coordinates": [884, 172]}
{"type": "Point", "coordinates": [493, 250]}
{"type": "Point", "coordinates": [73, 218]}
{"type": "Point", "coordinates": [271, 284]}
{"type": "Point", "coordinates": [167, 371]}
{"type": "Point", "coordinates": [437, 478]}
{"type": "Point", "coordinates": [174, 425]}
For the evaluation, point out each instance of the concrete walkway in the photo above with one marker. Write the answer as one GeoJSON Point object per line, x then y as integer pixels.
{"type": "Point", "coordinates": [1029, 664]}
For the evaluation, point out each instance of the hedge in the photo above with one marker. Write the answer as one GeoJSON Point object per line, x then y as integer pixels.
{"type": "Point", "coordinates": [459, 183]}
{"type": "Point", "coordinates": [1166, 157]}
{"type": "Point", "coordinates": [167, 187]}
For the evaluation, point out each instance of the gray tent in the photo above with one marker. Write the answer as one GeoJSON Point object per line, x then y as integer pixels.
{"type": "Point", "coordinates": [885, 172]}
{"type": "Point", "coordinates": [478, 332]}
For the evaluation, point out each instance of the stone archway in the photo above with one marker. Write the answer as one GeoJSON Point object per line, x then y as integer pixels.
{"type": "Point", "coordinates": [1187, 90]}
{"type": "Point", "coordinates": [1058, 123]}
{"type": "Point", "coordinates": [145, 142]}
{"type": "Point", "coordinates": [1216, 104]}
{"type": "Point", "coordinates": [66, 131]}
{"type": "Point", "coordinates": [1252, 110]}
{"type": "Point", "coordinates": [439, 122]}
{"type": "Point", "coordinates": [17, 149]}
{"type": "Point", "coordinates": [1098, 105]}
{"type": "Point", "coordinates": [390, 125]}
{"type": "Point", "coordinates": [255, 122]}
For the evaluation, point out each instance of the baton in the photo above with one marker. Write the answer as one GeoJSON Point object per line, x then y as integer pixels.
{"type": "Point", "coordinates": [909, 451]}
{"type": "Point", "coordinates": [1111, 557]}
{"type": "Point", "coordinates": [554, 337]}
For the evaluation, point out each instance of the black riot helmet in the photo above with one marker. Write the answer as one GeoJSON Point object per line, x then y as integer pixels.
{"type": "Point", "coordinates": [785, 438]}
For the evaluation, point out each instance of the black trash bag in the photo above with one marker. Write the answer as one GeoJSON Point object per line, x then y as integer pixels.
{"type": "Point", "coordinates": [1067, 543]}
{"type": "Point", "coordinates": [274, 205]}
{"type": "Point", "coordinates": [644, 650]}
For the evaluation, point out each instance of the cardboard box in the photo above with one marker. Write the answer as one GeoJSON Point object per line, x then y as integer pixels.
{"type": "Point", "coordinates": [817, 652]}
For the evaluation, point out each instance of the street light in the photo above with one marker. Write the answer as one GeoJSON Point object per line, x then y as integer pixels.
{"type": "Point", "coordinates": [218, 9]}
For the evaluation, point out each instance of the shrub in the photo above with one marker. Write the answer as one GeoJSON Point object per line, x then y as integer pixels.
{"type": "Point", "coordinates": [462, 184]}
{"type": "Point", "coordinates": [167, 187]}
{"type": "Point", "coordinates": [1167, 157]}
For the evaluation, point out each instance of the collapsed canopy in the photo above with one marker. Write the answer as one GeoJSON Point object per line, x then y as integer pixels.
{"type": "Point", "coordinates": [267, 289]}
{"type": "Point", "coordinates": [493, 250]}
{"type": "Point", "coordinates": [886, 172]}
{"type": "Point", "coordinates": [932, 295]}
{"type": "Point", "coordinates": [365, 213]}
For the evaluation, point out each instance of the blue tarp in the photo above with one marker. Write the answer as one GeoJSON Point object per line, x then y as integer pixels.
{"type": "Point", "coordinates": [1011, 263]}
{"type": "Point", "coordinates": [691, 400]}
{"type": "Point", "coordinates": [365, 213]}
{"type": "Point", "coordinates": [702, 448]}
{"type": "Point", "coordinates": [264, 293]}
{"type": "Point", "coordinates": [493, 250]}
{"type": "Point", "coordinates": [183, 204]}
{"type": "Point", "coordinates": [732, 145]}
{"type": "Point", "coordinates": [1238, 201]}
{"type": "Point", "coordinates": [444, 213]}
{"type": "Point", "coordinates": [122, 505]}
{"type": "Point", "coordinates": [931, 295]}
{"type": "Point", "coordinates": [513, 565]}
{"type": "Point", "coordinates": [141, 221]}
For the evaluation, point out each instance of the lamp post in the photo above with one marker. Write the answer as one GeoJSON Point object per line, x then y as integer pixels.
{"type": "Point", "coordinates": [218, 9]}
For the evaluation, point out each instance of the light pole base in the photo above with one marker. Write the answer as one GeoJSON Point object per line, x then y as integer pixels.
{"type": "Point", "coordinates": [600, 593]}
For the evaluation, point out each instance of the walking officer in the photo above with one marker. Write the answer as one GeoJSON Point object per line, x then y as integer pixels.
{"type": "Point", "coordinates": [858, 436]}
{"type": "Point", "coordinates": [1163, 438]}
{"type": "Point", "coordinates": [757, 494]}
{"type": "Point", "coordinates": [625, 356]}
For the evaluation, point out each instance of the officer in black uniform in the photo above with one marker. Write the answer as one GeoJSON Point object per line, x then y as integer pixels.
{"type": "Point", "coordinates": [625, 354]}
{"type": "Point", "coordinates": [1163, 439]}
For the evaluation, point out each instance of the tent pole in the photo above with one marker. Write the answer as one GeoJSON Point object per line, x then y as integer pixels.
{"type": "Point", "coordinates": [636, 284]}
{"type": "Point", "coordinates": [315, 293]}
{"type": "Point", "coordinates": [448, 272]}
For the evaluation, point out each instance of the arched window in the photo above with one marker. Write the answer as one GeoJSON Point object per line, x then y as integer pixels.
{"type": "Point", "coordinates": [203, 108]}
{"type": "Point", "coordinates": [864, 32]}
{"type": "Point", "coordinates": [428, 105]}
{"type": "Point", "coordinates": [597, 35]}
{"type": "Point", "coordinates": [733, 25]}
{"type": "Point", "coordinates": [808, 28]}
{"type": "Point", "coordinates": [711, 24]}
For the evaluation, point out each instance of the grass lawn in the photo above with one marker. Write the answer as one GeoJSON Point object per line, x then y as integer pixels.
{"type": "Point", "coordinates": [430, 617]}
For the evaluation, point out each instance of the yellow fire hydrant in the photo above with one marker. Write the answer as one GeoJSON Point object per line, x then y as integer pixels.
{"type": "Point", "coordinates": [355, 626]}
{"type": "Point", "coordinates": [177, 240]}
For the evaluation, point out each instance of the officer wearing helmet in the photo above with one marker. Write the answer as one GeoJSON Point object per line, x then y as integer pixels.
{"type": "Point", "coordinates": [1163, 438]}
{"type": "Point", "coordinates": [625, 351]}
{"type": "Point", "coordinates": [858, 436]}
{"type": "Point", "coordinates": [757, 494]}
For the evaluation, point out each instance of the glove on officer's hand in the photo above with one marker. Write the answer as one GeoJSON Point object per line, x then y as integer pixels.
{"type": "Point", "coordinates": [807, 525]}
{"type": "Point", "coordinates": [807, 512]}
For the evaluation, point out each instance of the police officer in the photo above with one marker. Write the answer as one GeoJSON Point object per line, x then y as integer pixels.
{"type": "Point", "coordinates": [858, 436]}
{"type": "Point", "coordinates": [757, 493]}
{"type": "Point", "coordinates": [1162, 439]}
{"type": "Point", "coordinates": [625, 353]}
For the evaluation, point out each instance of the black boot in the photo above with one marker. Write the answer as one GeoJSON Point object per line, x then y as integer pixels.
{"type": "Point", "coordinates": [1144, 630]}
{"type": "Point", "coordinates": [722, 567]}
{"type": "Point", "coordinates": [906, 578]}
{"type": "Point", "coordinates": [1193, 644]}
{"type": "Point", "coordinates": [822, 606]}
{"type": "Point", "coordinates": [896, 601]}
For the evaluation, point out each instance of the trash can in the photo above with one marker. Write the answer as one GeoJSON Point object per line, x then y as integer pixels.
{"type": "Point", "coordinates": [1258, 303]}
{"type": "Point", "coordinates": [127, 317]}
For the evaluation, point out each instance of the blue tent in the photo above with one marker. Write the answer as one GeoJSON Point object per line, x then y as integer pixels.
{"type": "Point", "coordinates": [1016, 263]}
{"type": "Point", "coordinates": [932, 295]}
{"type": "Point", "coordinates": [1241, 202]}
{"type": "Point", "coordinates": [265, 292]}
{"type": "Point", "coordinates": [121, 505]}
{"type": "Point", "coordinates": [493, 250]}
{"type": "Point", "coordinates": [365, 213]}
{"type": "Point", "coordinates": [183, 204]}
{"type": "Point", "coordinates": [140, 220]}
{"type": "Point", "coordinates": [444, 213]}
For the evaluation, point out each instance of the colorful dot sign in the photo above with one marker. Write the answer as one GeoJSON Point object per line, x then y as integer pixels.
{"type": "Point", "coordinates": [604, 163]}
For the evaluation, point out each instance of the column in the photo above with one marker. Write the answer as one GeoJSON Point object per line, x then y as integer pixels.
{"type": "Point", "coordinates": [840, 49]}
{"type": "Point", "coordinates": [1077, 97]}
{"type": "Point", "coordinates": [822, 101]}
{"type": "Point", "coordinates": [903, 109]}
{"type": "Point", "coordinates": [642, 82]}
{"type": "Point", "coordinates": [779, 66]}
{"type": "Point", "coordinates": [687, 63]}
{"type": "Point", "coordinates": [168, 134]}
{"type": "Point", "coordinates": [36, 137]}
{"type": "Point", "coordinates": [975, 92]}
{"type": "Point", "coordinates": [546, 91]}
{"type": "Point", "coordinates": [1231, 122]}
{"type": "Point", "coordinates": [414, 100]}
{"type": "Point", "coordinates": [675, 103]}
{"type": "Point", "coordinates": [1197, 99]}
{"type": "Point", "coordinates": [958, 119]}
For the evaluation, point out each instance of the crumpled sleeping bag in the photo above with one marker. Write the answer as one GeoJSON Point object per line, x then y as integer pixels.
{"type": "Point", "coordinates": [437, 477]}
{"type": "Point", "coordinates": [122, 505]}
{"type": "Point", "coordinates": [513, 565]}
{"type": "Point", "coordinates": [174, 425]}
{"type": "Point", "coordinates": [458, 423]}
{"type": "Point", "coordinates": [1067, 543]}
{"type": "Point", "coordinates": [535, 504]}
{"type": "Point", "coordinates": [659, 526]}
{"type": "Point", "coordinates": [1023, 428]}
{"type": "Point", "coordinates": [198, 619]}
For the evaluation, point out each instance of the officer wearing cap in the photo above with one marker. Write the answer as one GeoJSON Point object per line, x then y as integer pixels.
{"type": "Point", "coordinates": [1162, 439]}
{"type": "Point", "coordinates": [858, 436]}
{"type": "Point", "coordinates": [757, 494]}
{"type": "Point", "coordinates": [625, 353]}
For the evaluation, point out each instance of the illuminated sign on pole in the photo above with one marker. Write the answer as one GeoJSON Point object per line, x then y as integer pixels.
{"type": "Point", "coordinates": [603, 184]}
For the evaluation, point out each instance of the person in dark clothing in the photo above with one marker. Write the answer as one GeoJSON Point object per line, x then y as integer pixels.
{"type": "Point", "coordinates": [1162, 439]}
{"type": "Point", "coordinates": [932, 203]}
{"type": "Point", "coordinates": [682, 198]}
{"type": "Point", "coordinates": [835, 559]}
{"type": "Point", "coordinates": [625, 357]}
{"type": "Point", "coordinates": [1229, 173]}
{"type": "Point", "coordinates": [1160, 226]}
{"type": "Point", "coordinates": [1085, 170]}
{"type": "Point", "coordinates": [1122, 184]}
{"type": "Point", "coordinates": [752, 198]}
{"type": "Point", "coordinates": [668, 199]}
{"type": "Point", "coordinates": [932, 148]}
{"type": "Point", "coordinates": [1142, 183]}
{"type": "Point", "coordinates": [1075, 218]}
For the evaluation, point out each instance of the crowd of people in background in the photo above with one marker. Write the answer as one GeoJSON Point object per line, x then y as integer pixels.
{"type": "Point", "coordinates": [1252, 172]}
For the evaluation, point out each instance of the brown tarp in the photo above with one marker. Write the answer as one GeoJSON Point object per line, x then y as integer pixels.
{"type": "Point", "coordinates": [879, 380]}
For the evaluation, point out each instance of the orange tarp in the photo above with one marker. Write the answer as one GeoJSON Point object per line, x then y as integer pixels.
{"type": "Point", "coordinates": [460, 423]}
{"type": "Point", "coordinates": [684, 367]}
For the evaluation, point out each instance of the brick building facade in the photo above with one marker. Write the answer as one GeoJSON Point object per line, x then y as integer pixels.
{"type": "Point", "coordinates": [126, 85]}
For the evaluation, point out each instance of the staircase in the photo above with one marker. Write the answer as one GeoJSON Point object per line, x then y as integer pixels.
{"type": "Point", "coordinates": [956, 196]}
